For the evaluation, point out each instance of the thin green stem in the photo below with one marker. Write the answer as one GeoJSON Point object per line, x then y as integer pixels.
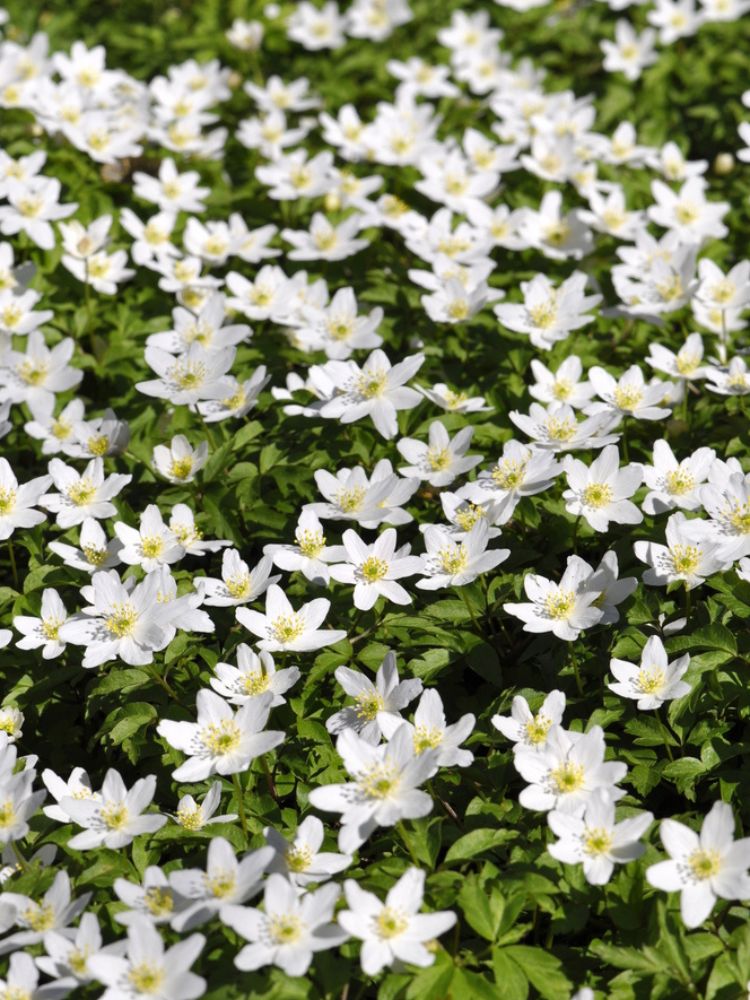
{"type": "Point", "coordinates": [665, 734]}
{"type": "Point", "coordinates": [240, 802]}
{"type": "Point", "coordinates": [469, 608]}
{"type": "Point", "coordinates": [625, 446]}
{"type": "Point", "coordinates": [688, 601]}
{"type": "Point", "coordinates": [13, 566]}
{"type": "Point", "coordinates": [576, 671]}
{"type": "Point", "coordinates": [407, 842]}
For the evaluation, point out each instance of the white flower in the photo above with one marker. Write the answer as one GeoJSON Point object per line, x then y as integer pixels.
{"type": "Point", "coordinates": [302, 861]}
{"type": "Point", "coordinates": [54, 911]}
{"type": "Point", "coordinates": [283, 628]}
{"type": "Point", "coordinates": [151, 545]}
{"type": "Point", "coordinates": [385, 788]}
{"type": "Point", "coordinates": [17, 503]}
{"type": "Point", "coordinates": [565, 608]}
{"type": "Point", "coordinates": [192, 815]}
{"type": "Point", "coordinates": [449, 562]}
{"type": "Point", "coordinates": [238, 584]}
{"type": "Point", "coordinates": [115, 817]}
{"type": "Point", "coordinates": [78, 786]}
{"type": "Point", "coordinates": [563, 385]}
{"type": "Point", "coordinates": [325, 241]}
{"type": "Point", "coordinates": [376, 390]}
{"type": "Point", "coordinates": [600, 492]}
{"type": "Point", "coordinates": [291, 928]}
{"type": "Point", "coordinates": [225, 880]}
{"type": "Point", "coordinates": [655, 680]}
{"type": "Point", "coordinates": [191, 377]}
{"type": "Point", "coordinates": [95, 552]}
{"type": "Point", "coordinates": [179, 462]}
{"type": "Point", "coordinates": [672, 483]}
{"type": "Point", "coordinates": [309, 555]}
{"type": "Point", "coordinates": [726, 499]}
{"type": "Point", "coordinates": [684, 364]}
{"type": "Point", "coordinates": [558, 429]}
{"type": "Point", "coordinates": [82, 495]}
{"type": "Point", "coordinates": [453, 402]}
{"type": "Point", "coordinates": [430, 731]}
{"type": "Point", "coordinates": [45, 630]}
{"type": "Point", "coordinates": [526, 729]}
{"type": "Point", "coordinates": [374, 569]}
{"type": "Point", "coordinates": [443, 459]}
{"type": "Point", "coordinates": [629, 396]}
{"type": "Point", "coordinates": [68, 956]}
{"type": "Point", "coordinates": [393, 931]}
{"type": "Point", "coordinates": [687, 212]}
{"type": "Point", "coordinates": [221, 741]}
{"type": "Point", "coordinates": [153, 898]}
{"type": "Point", "coordinates": [172, 191]}
{"type": "Point", "coordinates": [705, 866]}
{"type": "Point", "coordinates": [254, 675]}
{"type": "Point", "coordinates": [548, 314]}
{"type": "Point", "coordinates": [565, 774]}
{"type": "Point", "coordinates": [630, 52]}
{"type": "Point", "coordinates": [388, 695]}
{"type": "Point", "coordinates": [121, 623]}
{"type": "Point", "coordinates": [520, 471]}
{"type": "Point", "coordinates": [689, 556]}
{"type": "Point", "coordinates": [149, 970]}
{"type": "Point", "coordinates": [352, 496]}
{"type": "Point", "coordinates": [595, 840]}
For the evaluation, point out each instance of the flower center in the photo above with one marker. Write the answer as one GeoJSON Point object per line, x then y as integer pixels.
{"type": "Point", "coordinates": [50, 628]}
{"type": "Point", "coordinates": [560, 605]}
{"type": "Point", "coordinates": [121, 620]}
{"type": "Point", "coordinates": [221, 884]}
{"type": "Point", "coordinates": [627, 397]}
{"type": "Point", "coordinates": [82, 492]}
{"type": "Point", "coordinates": [739, 517]}
{"type": "Point", "coordinates": [77, 961]}
{"type": "Point", "coordinates": [597, 841]}
{"type": "Point", "coordinates": [453, 559]}
{"type": "Point", "coordinates": [152, 546]}
{"type": "Point", "coordinates": [114, 815]}
{"type": "Point", "coordinates": [286, 929]}
{"type": "Point", "coordinates": [467, 516]}
{"type": "Point", "coordinates": [7, 815]}
{"type": "Point", "coordinates": [7, 500]}
{"type": "Point", "coordinates": [597, 495]}
{"type": "Point", "coordinates": [544, 314]}
{"type": "Point", "coordinates": [368, 706]}
{"type": "Point", "coordinates": [40, 916]}
{"type": "Point", "coordinates": [509, 474]}
{"type": "Point", "coordinates": [679, 482]}
{"type": "Point", "coordinates": [704, 864]}
{"type": "Point", "coordinates": [287, 628]}
{"type": "Point", "coordinates": [94, 555]}
{"type": "Point", "coordinates": [426, 739]}
{"type": "Point", "coordinates": [190, 819]}
{"type": "Point", "coordinates": [33, 372]}
{"type": "Point", "coordinates": [686, 363]}
{"type": "Point", "coordinates": [537, 729]}
{"type": "Point", "coordinates": [146, 977]}
{"type": "Point", "coordinates": [181, 468]}
{"type": "Point", "coordinates": [299, 858]}
{"type": "Point", "coordinates": [158, 900]}
{"type": "Point", "coordinates": [390, 923]}
{"type": "Point", "coordinates": [685, 558]}
{"type": "Point", "coordinates": [380, 782]}
{"type": "Point", "coordinates": [372, 384]}
{"type": "Point", "coordinates": [438, 459]}
{"type": "Point", "coordinates": [238, 586]}
{"type": "Point", "coordinates": [686, 212]}
{"type": "Point", "coordinates": [221, 737]}
{"type": "Point", "coordinates": [373, 569]}
{"type": "Point", "coordinates": [650, 680]}
{"type": "Point", "coordinates": [189, 375]}
{"type": "Point", "coordinates": [310, 543]}
{"type": "Point", "coordinates": [350, 501]}
{"type": "Point", "coordinates": [98, 444]}
{"type": "Point", "coordinates": [561, 430]}
{"type": "Point", "coordinates": [567, 778]}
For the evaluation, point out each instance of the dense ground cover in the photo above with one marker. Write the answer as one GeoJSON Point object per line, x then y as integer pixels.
{"type": "Point", "coordinates": [374, 515]}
